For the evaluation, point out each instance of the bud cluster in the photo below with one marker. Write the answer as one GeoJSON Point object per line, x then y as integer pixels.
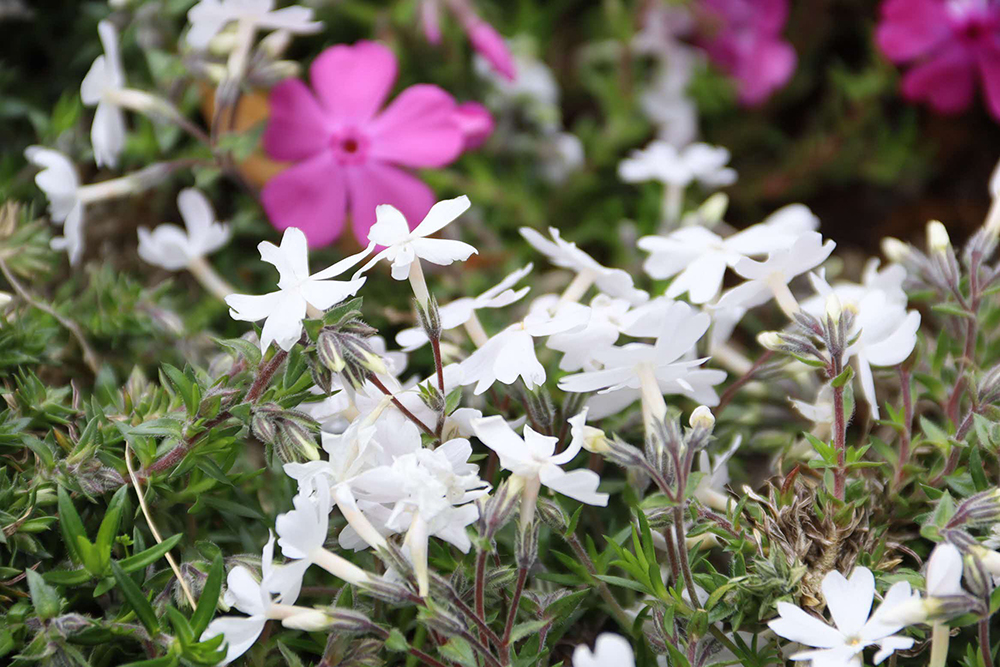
{"type": "Point", "coordinates": [344, 349]}
{"type": "Point", "coordinates": [291, 433]}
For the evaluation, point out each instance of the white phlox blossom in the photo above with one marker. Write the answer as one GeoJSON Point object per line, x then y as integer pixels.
{"type": "Point", "coordinates": [463, 311]}
{"type": "Point", "coordinates": [105, 78]}
{"type": "Point", "coordinates": [174, 248]}
{"type": "Point", "coordinates": [284, 310]}
{"type": "Point", "coordinates": [610, 650]}
{"type": "Point", "coordinates": [405, 248]}
{"type": "Point", "coordinates": [209, 17]}
{"type": "Point", "coordinates": [533, 463]}
{"type": "Point", "coordinates": [68, 198]}
{"type": "Point", "coordinates": [255, 598]}
{"type": "Point", "coordinates": [942, 580]}
{"type": "Point", "coordinates": [581, 347]}
{"type": "Point", "coordinates": [853, 630]}
{"type": "Point", "coordinates": [663, 162]}
{"type": "Point", "coordinates": [431, 493]}
{"type": "Point", "coordinates": [769, 279]}
{"type": "Point", "coordinates": [640, 369]}
{"type": "Point", "coordinates": [696, 258]}
{"type": "Point", "coordinates": [886, 332]}
{"type": "Point", "coordinates": [301, 536]}
{"type": "Point", "coordinates": [510, 354]}
{"type": "Point", "coordinates": [564, 254]}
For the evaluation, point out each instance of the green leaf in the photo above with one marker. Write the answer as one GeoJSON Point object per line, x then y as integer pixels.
{"type": "Point", "coordinates": [183, 629]}
{"type": "Point", "coordinates": [149, 556]}
{"type": "Point", "coordinates": [209, 599]}
{"type": "Point", "coordinates": [109, 527]}
{"type": "Point", "coordinates": [162, 427]}
{"type": "Point", "coordinates": [291, 658]}
{"type": "Point", "coordinates": [396, 641]}
{"type": "Point", "coordinates": [166, 661]}
{"type": "Point", "coordinates": [243, 348]}
{"type": "Point", "coordinates": [844, 377]}
{"type": "Point", "coordinates": [136, 599]}
{"type": "Point", "coordinates": [45, 598]}
{"type": "Point", "coordinates": [458, 650]}
{"type": "Point", "coordinates": [70, 525]}
{"type": "Point", "coordinates": [522, 630]}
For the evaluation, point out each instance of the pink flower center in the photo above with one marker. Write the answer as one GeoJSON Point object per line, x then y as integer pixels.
{"type": "Point", "coordinates": [972, 20]}
{"type": "Point", "coordinates": [349, 146]}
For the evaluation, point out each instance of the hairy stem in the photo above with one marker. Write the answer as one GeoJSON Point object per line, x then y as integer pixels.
{"type": "Point", "coordinates": [602, 588]}
{"type": "Point", "coordinates": [399, 406]}
{"type": "Point", "coordinates": [682, 555]}
{"type": "Point", "coordinates": [522, 577]}
{"type": "Point", "coordinates": [984, 642]}
{"type": "Point", "coordinates": [905, 436]}
{"type": "Point", "coordinates": [481, 588]}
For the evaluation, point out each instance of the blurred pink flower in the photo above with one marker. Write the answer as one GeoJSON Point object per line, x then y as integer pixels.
{"type": "Point", "coordinates": [744, 39]}
{"type": "Point", "coordinates": [348, 151]}
{"type": "Point", "coordinates": [484, 38]}
{"type": "Point", "coordinates": [476, 122]}
{"type": "Point", "coordinates": [951, 43]}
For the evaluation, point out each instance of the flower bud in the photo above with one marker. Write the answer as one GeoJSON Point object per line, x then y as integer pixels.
{"type": "Point", "coordinates": [310, 621]}
{"type": "Point", "coordinates": [263, 428]}
{"type": "Point", "coordinates": [328, 353]}
{"type": "Point", "coordinates": [496, 510]}
{"type": "Point", "coordinates": [295, 443]}
{"type": "Point", "coordinates": [702, 417]}
{"type": "Point", "coordinates": [937, 237]}
{"type": "Point", "coordinates": [988, 558]}
{"type": "Point", "coordinates": [833, 308]}
{"type": "Point", "coordinates": [713, 208]}
{"type": "Point", "coordinates": [895, 250]}
{"type": "Point", "coordinates": [526, 547]}
{"type": "Point", "coordinates": [770, 340]}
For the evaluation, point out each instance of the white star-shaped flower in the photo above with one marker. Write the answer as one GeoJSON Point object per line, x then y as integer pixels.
{"type": "Point", "coordinates": [697, 258]}
{"type": "Point", "coordinates": [403, 246]}
{"type": "Point", "coordinates": [943, 579]}
{"type": "Point", "coordinates": [663, 162]}
{"type": "Point", "coordinates": [106, 76]}
{"type": "Point", "coordinates": [613, 282]}
{"type": "Point", "coordinates": [461, 311]}
{"type": "Point", "coordinates": [209, 17]}
{"type": "Point", "coordinates": [285, 309]}
{"type": "Point", "coordinates": [850, 603]}
{"type": "Point", "coordinates": [581, 348]}
{"type": "Point", "coordinates": [174, 248]}
{"type": "Point", "coordinates": [534, 463]}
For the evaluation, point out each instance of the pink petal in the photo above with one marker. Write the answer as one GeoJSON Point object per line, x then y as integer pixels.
{"type": "Point", "coordinates": [376, 183]}
{"type": "Point", "coordinates": [490, 44]}
{"type": "Point", "coordinates": [352, 82]}
{"type": "Point", "coordinates": [296, 128]}
{"type": "Point", "coordinates": [989, 65]}
{"type": "Point", "coordinates": [430, 19]}
{"type": "Point", "coordinates": [911, 28]}
{"type": "Point", "coordinates": [312, 196]}
{"type": "Point", "coordinates": [946, 81]}
{"type": "Point", "coordinates": [767, 68]}
{"type": "Point", "coordinates": [476, 123]}
{"type": "Point", "coordinates": [418, 129]}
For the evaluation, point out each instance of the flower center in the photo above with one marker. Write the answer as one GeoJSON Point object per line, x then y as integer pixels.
{"type": "Point", "coordinates": [973, 19]}
{"type": "Point", "coordinates": [349, 145]}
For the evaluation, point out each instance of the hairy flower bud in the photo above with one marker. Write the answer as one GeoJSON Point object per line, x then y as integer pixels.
{"type": "Point", "coordinates": [552, 514]}
{"type": "Point", "coordinates": [526, 546]}
{"type": "Point", "coordinates": [895, 250]}
{"type": "Point", "coordinates": [496, 510]}
{"type": "Point", "coordinates": [295, 443]}
{"type": "Point", "coordinates": [770, 340]}
{"type": "Point", "coordinates": [702, 418]}
{"type": "Point", "coordinates": [430, 318]}
{"type": "Point", "coordinates": [937, 237]}
{"type": "Point", "coordinates": [312, 620]}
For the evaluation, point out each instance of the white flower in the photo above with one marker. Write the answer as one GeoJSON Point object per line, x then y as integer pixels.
{"type": "Point", "coordinates": [886, 332]}
{"type": "Point", "coordinates": [403, 247]}
{"type": "Point", "coordinates": [626, 367]}
{"type": "Point", "coordinates": [67, 198]}
{"type": "Point", "coordinates": [431, 492]}
{"type": "Point", "coordinates": [943, 579]}
{"type": "Point", "coordinates": [698, 257]}
{"type": "Point", "coordinates": [174, 248]}
{"type": "Point", "coordinates": [849, 602]}
{"type": "Point", "coordinates": [610, 650]}
{"type": "Point", "coordinates": [663, 162]}
{"type": "Point", "coordinates": [613, 282]}
{"type": "Point", "coordinates": [285, 309]}
{"type": "Point", "coordinates": [510, 354]}
{"type": "Point", "coordinates": [105, 77]}
{"type": "Point", "coordinates": [581, 347]}
{"type": "Point", "coordinates": [209, 17]}
{"type": "Point", "coordinates": [462, 311]}
{"type": "Point", "coordinates": [534, 463]}
{"type": "Point", "coordinates": [770, 278]}
{"type": "Point", "coordinates": [254, 598]}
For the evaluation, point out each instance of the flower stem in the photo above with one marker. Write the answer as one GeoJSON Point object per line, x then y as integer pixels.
{"type": "Point", "coordinates": [904, 436]}
{"type": "Point", "coordinates": [577, 288]}
{"type": "Point", "coordinates": [522, 576]}
{"type": "Point", "coordinates": [481, 589]}
{"type": "Point", "coordinates": [424, 658]}
{"type": "Point", "coordinates": [940, 636]}
{"type": "Point", "coordinates": [477, 334]}
{"type": "Point", "coordinates": [418, 283]}
{"type": "Point", "coordinates": [206, 274]}
{"type": "Point", "coordinates": [399, 406]}
{"type": "Point", "coordinates": [682, 555]}
{"type": "Point", "coordinates": [839, 443]}
{"type": "Point", "coordinates": [602, 588]}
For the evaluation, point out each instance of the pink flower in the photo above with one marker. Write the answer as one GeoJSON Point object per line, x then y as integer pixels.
{"type": "Point", "coordinates": [951, 42]}
{"type": "Point", "coordinates": [476, 122]}
{"type": "Point", "coordinates": [484, 38]}
{"type": "Point", "coordinates": [746, 43]}
{"type": "Point", "coordinates": [348, 151]}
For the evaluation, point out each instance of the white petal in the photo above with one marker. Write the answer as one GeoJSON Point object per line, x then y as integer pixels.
{"type": "Point", "coordinates": [241, 632]}
{"type": "Point", "coordinates": [944, 571]}
{"type": "Point", "coordinates": [891, 644]}
{"type": "Point", "coordinates": [610, 650]}
{"type": "Point", "coordinates": [798, 626]}
{"type": "Point", "coordinates": [324, 294]}
{"type": "Point", "coordinates": [441, 214]}
{"type": "Point", "coordinates": [92, 88]}
{"type": "Point", "coordinates": [390, 226]}
{"type": "Point", "coordinates": [107, 134]}
{"type": "Point", "coordinates": [849, 600]}
{"type": "Point", "coordinates": [253, 308]}
{"type": "Point", "coordinates": [577, 484]}
{"type": "Point", "coordinates": [442, 251]}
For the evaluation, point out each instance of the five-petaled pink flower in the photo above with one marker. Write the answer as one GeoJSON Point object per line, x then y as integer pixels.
{"type": "Point", "coordinates": [952, 43]}
{"type": "Point", "coordinates": [743, 37]}
{"type": "Point", "coordinates": [349, 153]}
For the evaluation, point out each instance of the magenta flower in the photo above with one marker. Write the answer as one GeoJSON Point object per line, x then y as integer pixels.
{"type": "Point", "coordinates": [349, 153]}
{"type": "Point", "coordinates": [484, 38]}
{"type": "Point", "coordinates": [952, 43]}
{"type": "Point", "coordinates": [744, 39]}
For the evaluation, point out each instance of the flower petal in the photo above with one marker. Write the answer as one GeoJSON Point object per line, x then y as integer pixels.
{"type": "Point", "coordinates": [296, 128]}
{"type": "Point", "coordinates": [352, 81]}
{"type": "Point", "coordinates": [442, 214]}
{"type": "Point", "coordinates": [442, 251]}
{"type": "Point", "coordinates": [946, 81]}
{"type": "Point", "coordinates": [798, 626]}
{"type": "Point", "coordinates": [849, 600]}
{"type": "Point", "coordinates": [312, 196]}
{"type": "Point", "coordinates": [252, 308]}
{"type": "Point", "coordinates": [284, 325]}
{"type": "Point", "coordinates": [577, 484]}
{"type": "Point", "coordinates": [418, 129]}
{"type": "Point", "coordinates": [377, 183]}
{"type": "Point", "coordinates": [911, 28]}
{"type": "Point", "coordinates": [988, 56]}
{"type": "Point", "coordinates": [241, 632]}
